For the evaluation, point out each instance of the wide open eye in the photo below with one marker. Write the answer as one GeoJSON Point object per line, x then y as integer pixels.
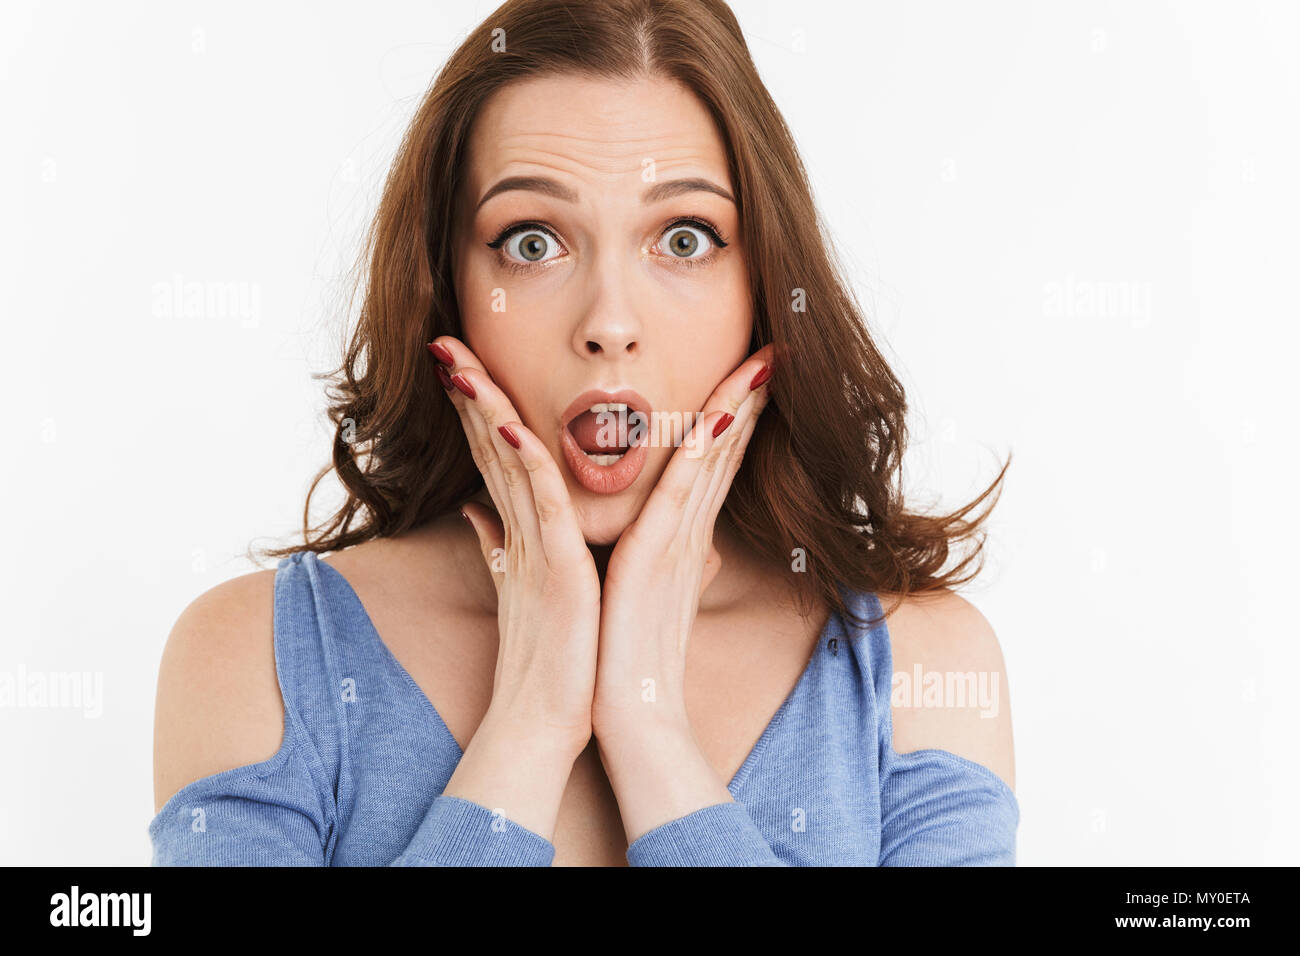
{"type": "Point", "coordinates": [687, 242]}
{"type": "Point", "coordinates": [531, 245]}
{"type": "Point", "coordinates": [690, 240]}
{"type": "Point", "coordinates": [527, 243]}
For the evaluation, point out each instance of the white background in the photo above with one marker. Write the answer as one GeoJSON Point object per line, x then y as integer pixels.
{"type": "Point", "coordinates": [1073, 225]}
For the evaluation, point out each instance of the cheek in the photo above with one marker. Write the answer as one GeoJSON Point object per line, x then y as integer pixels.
{"type": "Point", "coordinates": [715, 336]}
{"type": "Point", "coordinates": [717, 298]}
{"type": "Point", "coordinates": [509, 339]}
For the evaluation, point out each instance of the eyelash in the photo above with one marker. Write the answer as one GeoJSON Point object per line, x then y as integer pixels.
{"type": "Point", "coordinates": [715, 236]}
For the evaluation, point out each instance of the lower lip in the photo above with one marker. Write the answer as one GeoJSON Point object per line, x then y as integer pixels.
{"type": "Point", "coordinates": [603, 479]}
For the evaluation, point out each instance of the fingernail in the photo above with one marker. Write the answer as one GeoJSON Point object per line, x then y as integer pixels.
{"type": "Point", "coordinates": [461, 512]}
{"type": "Point", "coordinates": [763, 375]}
{"type": "Point", "coordinates": [444, 377]}
{"type": "Point", "coordinates": [462, 383]}
{"type": "Point", "coordinates": [509, 435]}
{"type": "Point", "coordinates": [441, 353]}
{"type": "Point", "coordinates": [723, 422]}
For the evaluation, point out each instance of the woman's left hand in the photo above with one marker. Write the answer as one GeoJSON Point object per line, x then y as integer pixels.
{"type": "Point", "coordinates": [656, 573]}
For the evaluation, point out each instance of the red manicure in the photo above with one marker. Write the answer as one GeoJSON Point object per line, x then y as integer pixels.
{"type": "Point", "coordinates": [509, 435]}
{"type": "Point", "coordinates": [441, 353]}
{"type": "Point", "coordinates": [462, 383]}
{"type": "Point", "coordinates": [444, 377]}
{"type": "Point", "coordinates": [723, 422]}
{"type": "Point", "coordinates": [763, 375]}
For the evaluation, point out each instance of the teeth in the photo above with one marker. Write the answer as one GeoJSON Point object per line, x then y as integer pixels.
{"type": "Point", "coordinates": [617, 408]}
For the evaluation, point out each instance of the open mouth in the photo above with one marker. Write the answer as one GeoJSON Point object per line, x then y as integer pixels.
{"type": "Point", "coordinates": [604, 439]}
{"type": "Point", "coordinates": [602, 431]}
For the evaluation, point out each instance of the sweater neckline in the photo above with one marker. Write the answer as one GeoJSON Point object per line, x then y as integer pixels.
{"type": "Point", "coordinates": [741, 775]}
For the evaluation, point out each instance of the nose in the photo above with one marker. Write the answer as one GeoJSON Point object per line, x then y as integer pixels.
{"type": "Point", "coordinates": [611, 326]}
{"type": "Point", "coordinates": [609, 337]}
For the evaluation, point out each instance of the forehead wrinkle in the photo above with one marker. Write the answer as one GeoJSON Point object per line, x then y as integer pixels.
{"type": "Point", "coordinates": [597, 155]}
{"type": "Point", "coordinates": [519, 136]}
{"type": "Point", "coordinates": [603, 171]}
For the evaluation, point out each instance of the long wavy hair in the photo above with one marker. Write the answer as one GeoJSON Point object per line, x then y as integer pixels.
{"type": "Point", "coordinates": [821, 481]}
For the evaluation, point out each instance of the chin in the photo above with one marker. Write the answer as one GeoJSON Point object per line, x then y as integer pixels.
{"type": "Point", "coordinates": [604, 520]}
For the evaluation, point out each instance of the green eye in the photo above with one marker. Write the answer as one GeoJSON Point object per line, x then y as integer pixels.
{"type": "Point", "coordinates": [683, 243]}
{"type": "Point", "coordinates": [530, 246]}
{"type": "Point", "coordinates": [691, 240]}
{"type": "Point", "coordinates": [527, 243]}
{"type": "Point", "coordinates": [687, 242]}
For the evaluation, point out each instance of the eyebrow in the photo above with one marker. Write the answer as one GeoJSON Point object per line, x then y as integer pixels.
{"type": "Point", "coordinates": [676, 187]}
{"type": "Point", "coordinates": [551, 187]}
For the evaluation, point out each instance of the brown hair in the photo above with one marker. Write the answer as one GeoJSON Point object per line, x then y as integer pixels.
{"type": "Point", "coordinates": [829, 485]}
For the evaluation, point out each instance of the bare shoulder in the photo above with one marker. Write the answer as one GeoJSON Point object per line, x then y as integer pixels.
{"type": "Point", "coordinates": [949, 681]}
{"type": "Point", "coordinates": [219, 705]}
{"type": "Point", "coordinates": [424, 573]}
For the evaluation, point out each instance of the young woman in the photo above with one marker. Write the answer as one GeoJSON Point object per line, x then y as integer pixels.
{"type": "Point", "coordinates": [623, 513]}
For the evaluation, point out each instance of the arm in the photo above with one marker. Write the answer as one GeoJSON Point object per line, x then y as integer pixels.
{"type": "Point", "coordinates": [501, 804]}
{"type": "Point", "coordinates": [676, 810]}
{"type": "Point", "coordinates": [236, 776]}
{"type": "Point", "coordinates": [499, 807]}
{"type": "Point", "coordinates": [938, 809]}
{"type": "Point", "coordinates": [232, 781]}
{"type": "Point", "coordinates": [947, 771]}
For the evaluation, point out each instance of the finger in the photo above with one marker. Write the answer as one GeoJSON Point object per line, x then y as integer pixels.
{"type": "Point", "coordinates": [491, 537]}
{"type": "Point", "coordinates": [485, 459]}
{"type": "Point", "coordinates": [538, 497]}
{"type": "Point", "coordinates": [724, 457]}
{"type": "Point", "coordinates": [476, 436]}
{"type": "Point", "coordinates": [495, 417]}
{"type": "Point", "coordinates": [686, 481]}
{"type": "Point", "coordinates": [559, 531]}
{"type": "Point", "coordinates": [713, 481]}
{"type": "Point", "coordinates": [464, 396]}
{"type": "Point", "coordinates": [734, 442]}
{"type": "Point", "coordinates": [712, 565]}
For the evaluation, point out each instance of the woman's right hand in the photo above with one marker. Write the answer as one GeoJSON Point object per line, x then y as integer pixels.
{"type": "Point", "coordinates": [548, 603]}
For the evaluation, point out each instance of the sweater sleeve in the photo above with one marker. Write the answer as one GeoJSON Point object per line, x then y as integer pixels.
{"type": "Point", "coordinates": [723, 834]}
{"type": "Point", "coordinates": [275, 814]}
{"type": "Point", "coordinates": [939, 809]}
{"type": "Point", "coordinates": [457, 832]}
{"type": "Point", "coordinates": [265, 814]}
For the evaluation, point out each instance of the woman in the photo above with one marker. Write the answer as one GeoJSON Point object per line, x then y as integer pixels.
{"type": "Point", "coordinates": [596, 287]}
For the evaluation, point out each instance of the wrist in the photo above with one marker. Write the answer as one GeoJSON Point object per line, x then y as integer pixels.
{"type": "Point", "coordinates": [643, 739]}
{"type": "Point", "coordinates": [658, 773]}
{"type": "Point", "coordinates": [640, 722]}
{"type": "Point", "coordinates": [516, 770]}
{"type": "Point", "coordinates": [535, 741]}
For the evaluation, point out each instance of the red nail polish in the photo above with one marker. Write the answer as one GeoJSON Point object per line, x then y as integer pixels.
{"type": "Point", "coordinates": [763, 375]}
{"type": "Point", "coordinates": [444, 377]}
{"type": "Point", "coordinates": [723, 422]}
{"type": "Point", "coordinates": [462, 383]}
{"type": "Point", "coordinates": [509, 435]}
{"type": "Point", "coordinates": [441, 353]}
{"type": "Point", "coordinates": [461, 512]}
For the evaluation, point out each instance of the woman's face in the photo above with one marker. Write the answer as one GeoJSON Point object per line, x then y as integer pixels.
{"type": "Point", "coordinates": [589, 256]}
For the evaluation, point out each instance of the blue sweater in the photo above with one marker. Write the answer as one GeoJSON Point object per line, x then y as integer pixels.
{"type": "Point", "coordinates": [358, 779]}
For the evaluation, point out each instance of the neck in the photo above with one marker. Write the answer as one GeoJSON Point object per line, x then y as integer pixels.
{"type": "Point", "coordinates": [732, 583]}
{"type": "Point", "coordinates": [600, 554]}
